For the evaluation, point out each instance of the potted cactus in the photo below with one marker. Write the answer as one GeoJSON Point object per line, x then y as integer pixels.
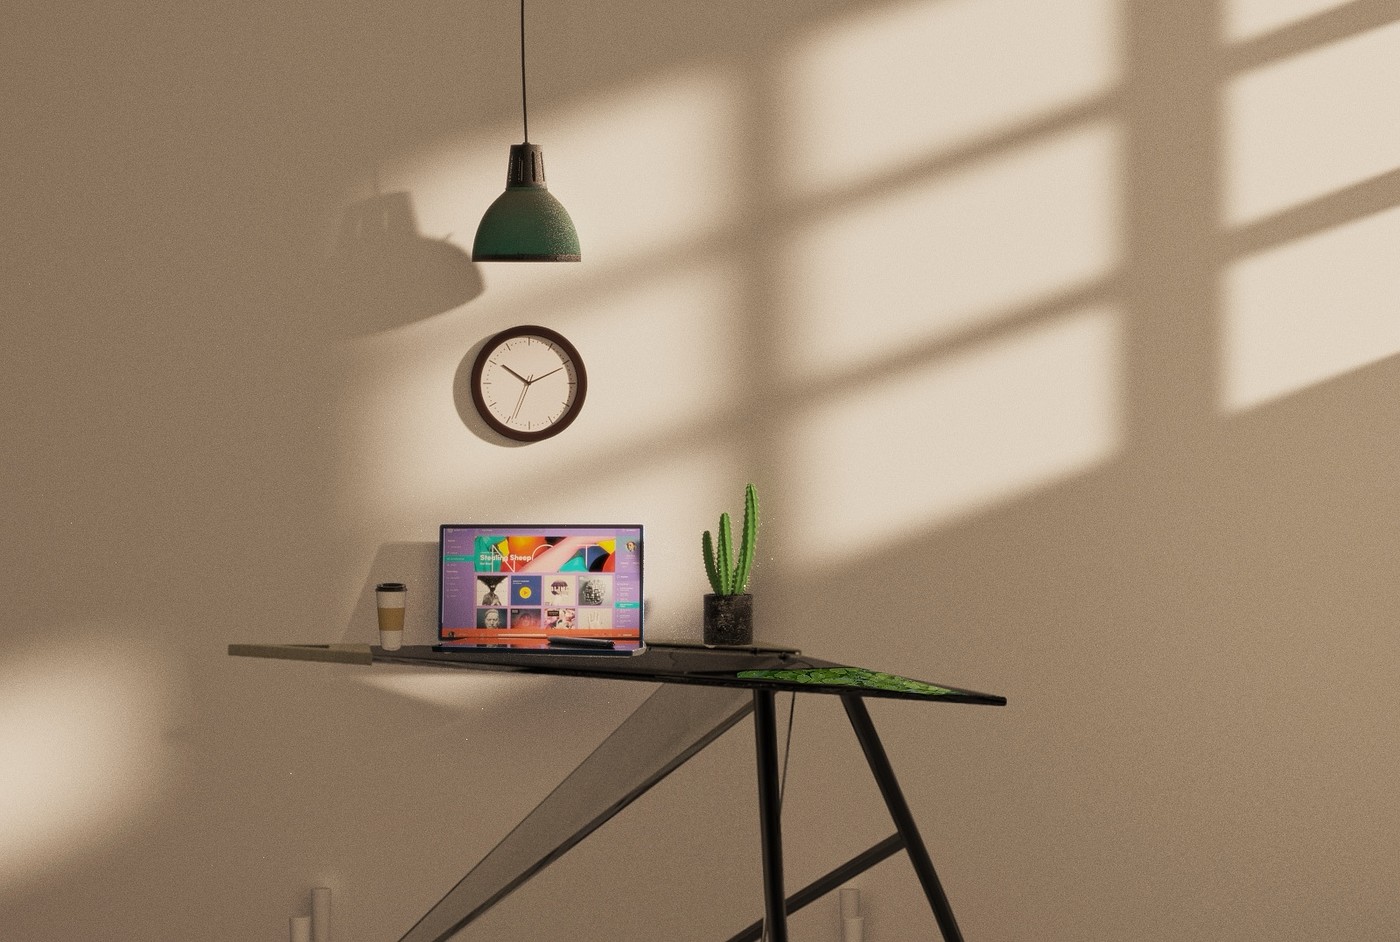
{"type": "Point", "coordinates": [729, 609]}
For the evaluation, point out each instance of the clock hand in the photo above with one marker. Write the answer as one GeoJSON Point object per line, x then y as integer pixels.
{"type": "Point", "coordinates": [550, 373]}
{"type": "Point", "coordinates": [521, 401]}
{"type": "Point", "coordinates": [515, 374]}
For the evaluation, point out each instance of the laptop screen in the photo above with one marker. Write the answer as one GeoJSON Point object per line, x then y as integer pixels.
{"type": "Point", "coordinates": [514, 586]}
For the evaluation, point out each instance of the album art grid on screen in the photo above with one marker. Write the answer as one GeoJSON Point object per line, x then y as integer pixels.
{"type": "Point", "coordinates": [515, 586]}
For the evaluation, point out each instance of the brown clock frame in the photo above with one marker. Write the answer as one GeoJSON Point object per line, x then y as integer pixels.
{"type": "Point", "coordinates": [580, 388]}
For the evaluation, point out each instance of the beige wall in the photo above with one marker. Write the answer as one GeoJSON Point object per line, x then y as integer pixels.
{"type": "Point", "coordinates": [1058, 335]}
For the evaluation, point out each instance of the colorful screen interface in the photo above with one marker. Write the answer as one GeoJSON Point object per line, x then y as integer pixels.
{"type": "Point", "coordinates": [515, 586]}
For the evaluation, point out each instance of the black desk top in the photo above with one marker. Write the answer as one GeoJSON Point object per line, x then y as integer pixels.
{"type": "Point", "coordinates": [660, 663]}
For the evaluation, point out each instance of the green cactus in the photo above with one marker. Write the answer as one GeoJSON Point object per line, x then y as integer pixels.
{"type": "Point", "coordinates": [728, 577]}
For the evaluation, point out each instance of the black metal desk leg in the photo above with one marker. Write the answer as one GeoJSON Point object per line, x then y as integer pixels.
{"type": "Point", "coordinates": [903, 819]}
{"type": "Point", "coordinates": [765, 728]}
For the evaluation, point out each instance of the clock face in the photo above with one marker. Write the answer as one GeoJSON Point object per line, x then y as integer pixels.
{"type": "Point", "coordinates": [528, 383]}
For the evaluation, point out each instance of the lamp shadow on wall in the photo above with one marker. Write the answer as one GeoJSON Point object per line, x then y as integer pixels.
{"type": "Point", "coordinates": [383, 273]}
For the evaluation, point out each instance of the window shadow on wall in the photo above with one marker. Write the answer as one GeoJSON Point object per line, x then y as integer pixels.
{"type": "Point", "coordinates": [1188, 631]}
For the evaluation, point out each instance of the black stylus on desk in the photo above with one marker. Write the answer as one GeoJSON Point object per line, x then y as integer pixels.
{"type": "Point", "coordinates": [559, 641]}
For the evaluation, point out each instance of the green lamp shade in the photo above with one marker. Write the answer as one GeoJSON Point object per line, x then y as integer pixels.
{"type": "Point", "coordinates": [526, 223]}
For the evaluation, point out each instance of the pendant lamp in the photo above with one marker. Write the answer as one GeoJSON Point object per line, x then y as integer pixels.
{"type": "Point", "coordinates": [525, 223]}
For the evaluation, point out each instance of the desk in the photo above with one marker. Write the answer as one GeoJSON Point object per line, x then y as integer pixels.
{"type": "Point", "coordinates": [703, 692]}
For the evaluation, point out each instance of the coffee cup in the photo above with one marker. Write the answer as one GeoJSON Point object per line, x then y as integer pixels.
{"type": "Point", "coordinates": [389, 598]}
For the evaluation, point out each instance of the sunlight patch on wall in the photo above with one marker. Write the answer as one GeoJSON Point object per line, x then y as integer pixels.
{"type": "Point", "coordinates": [662, 352]}
{"type": "Point", "coordinates": [647, 480]}
{"type": "Point", "coordinates": [654, 483]}
{"type": "Point", "coordinates": [1247, 19]}
{"type": "Point", "coordinates": [641, 172]}
{"type": "Point", "coordinates": [644, 170]}
{"type": "Point", "coordinates": [80, 741]}
{"type": "Point", "coordinates": [661, 371]}
{"type": "Point", "coordinates": [878, 91]}
{"type": "Point", "coordinates": [1305, 127]}
{"type": "Point", "coordinates": [943, 256]}
{"type": "Point", "coordinates": [676, 487]}
{"type": "Point", "coordinates": [651, 167]}
{"type": "Point", "coordinates": [897, 458]}
{"type": "Point", "coordinates": [1311, 310]}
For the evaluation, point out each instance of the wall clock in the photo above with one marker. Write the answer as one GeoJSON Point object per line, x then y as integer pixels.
{"type": "Point", "coordinates": [528, 383]}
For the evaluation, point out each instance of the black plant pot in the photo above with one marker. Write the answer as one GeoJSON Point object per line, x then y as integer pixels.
{"type": "Point", "coordinates": [728, 619]}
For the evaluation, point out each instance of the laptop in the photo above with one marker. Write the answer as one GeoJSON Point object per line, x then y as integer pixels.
{"type": "Point", "coordinates": [554, 589]}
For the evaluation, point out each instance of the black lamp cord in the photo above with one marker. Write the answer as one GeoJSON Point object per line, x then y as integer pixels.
{"type": "Point", "coordinates": [782, 781]}
{"type": "Point", "coordinates": [524, 106]}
